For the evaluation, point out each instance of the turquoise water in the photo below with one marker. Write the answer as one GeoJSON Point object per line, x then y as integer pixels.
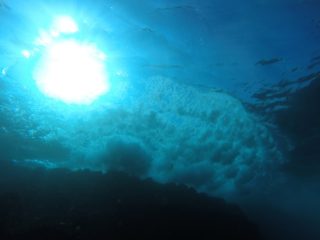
{"type": "Point", "coordinates": [204, 93]}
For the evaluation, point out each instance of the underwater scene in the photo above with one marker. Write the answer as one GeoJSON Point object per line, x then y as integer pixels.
{"type": "Point", "coordinates": [160, 119]}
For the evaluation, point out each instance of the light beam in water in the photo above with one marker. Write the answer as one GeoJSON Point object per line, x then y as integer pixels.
{"type": "Point", "coordinates": [69, 70]}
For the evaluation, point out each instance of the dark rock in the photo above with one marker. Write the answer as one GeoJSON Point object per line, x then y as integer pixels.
{"type": "Point", "coordinates": [60, 204]}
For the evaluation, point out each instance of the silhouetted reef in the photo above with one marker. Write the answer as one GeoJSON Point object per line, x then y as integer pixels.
{"type": "Point", "coordinates": [62, 204]}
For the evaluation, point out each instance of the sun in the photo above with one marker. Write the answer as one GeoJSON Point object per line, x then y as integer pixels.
{"type": "Point", "coordinates": [68, 69]}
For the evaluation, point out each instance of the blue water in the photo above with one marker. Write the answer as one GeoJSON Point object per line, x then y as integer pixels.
{"type": "Point", "coordinates": [212, 94]}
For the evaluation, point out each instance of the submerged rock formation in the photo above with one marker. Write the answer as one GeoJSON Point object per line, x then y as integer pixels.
{"type": "Point", "coordinates": [61, 204]}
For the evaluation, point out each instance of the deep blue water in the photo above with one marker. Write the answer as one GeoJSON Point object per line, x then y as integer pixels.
{"type": "Point", "coordinates": [219, 95]}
